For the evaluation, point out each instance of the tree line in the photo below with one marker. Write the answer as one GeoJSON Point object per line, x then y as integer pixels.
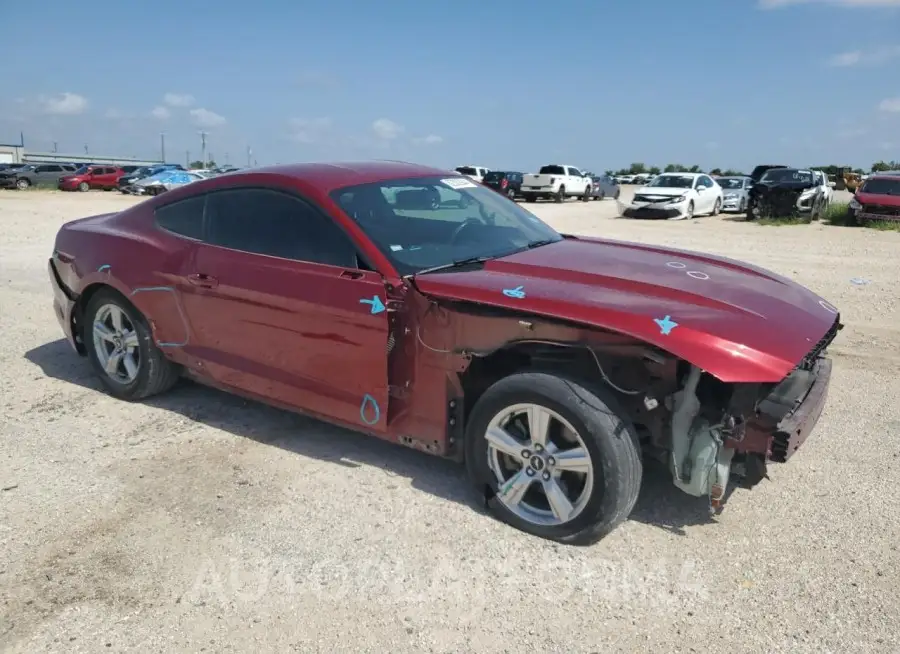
{"type": "Point", "coordinates": [641, 169]}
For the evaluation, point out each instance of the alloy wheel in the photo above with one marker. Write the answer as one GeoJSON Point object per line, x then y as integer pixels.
{"type": "Point", "coordinates": [116, 344]}
{"type": "Point", "coordinates": [542, 467]}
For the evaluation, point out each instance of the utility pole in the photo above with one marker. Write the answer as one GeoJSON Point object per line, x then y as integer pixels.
{"type": "Point", "coordinates": [162, 146]}
{"type": "Point", "coordinates": [203, 148]}
{"type": "Point", "coordinates": [54, 146]}
{"type": "Point", "coordinates": [212, 158]}
{"type": "Point", "coordinates": [85, 148]}
{"type": "Point", "coordinates": [187, 159]}
{"type": "Point", "coordinates": [226, 158]}
{"type": "Point", "coordinates": [249, 155]}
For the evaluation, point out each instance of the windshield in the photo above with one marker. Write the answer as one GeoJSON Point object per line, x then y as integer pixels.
{"type": "Point", "coordinates": [882, 186]}
{"type": "Point", "coordinates": [494, 176]}
{"type": "Point", "coordinates": [792, 175]}
{"type": "Point", "coordinates": [672, 181]}
{"type": "Point", "coordinates": [425, 222]}
{"type": "Point", "coordinates": [82, 171]}
{"type": "Point", "coordinates": [552, 170]}
{"type": "Point", "coordinates": [466, 170]}
{"type": "Point", "coordinates": [731, 182]}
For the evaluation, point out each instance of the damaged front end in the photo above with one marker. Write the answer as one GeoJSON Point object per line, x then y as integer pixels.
{"type": "Point", "coordinates": [721, 430]}
{"type": "Point", "coordinates": [649, 206]}
{"type": "Point", "coordinates": [783, 200]}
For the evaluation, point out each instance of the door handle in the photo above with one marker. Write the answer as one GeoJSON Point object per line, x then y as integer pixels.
{"type": "Point", "coordinates": [203, 281]}
{"type": "Point", "coordinates": [351, 274]}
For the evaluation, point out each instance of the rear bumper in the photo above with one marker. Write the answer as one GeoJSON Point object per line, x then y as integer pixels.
{"type": "Point", "coordinates": [63, 304]}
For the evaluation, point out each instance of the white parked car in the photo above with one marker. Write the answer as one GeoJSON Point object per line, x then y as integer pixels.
{"type": "Point", "coordinates": [676, 196]}
{"type": "Point", "coordinates": [474, 172]}
{"type": "Point", "coordinates": [825, 187]}
{"type": "Point", "coordinates": [557, 182]}
{"type": "Point", "coordinates": [625, 179]}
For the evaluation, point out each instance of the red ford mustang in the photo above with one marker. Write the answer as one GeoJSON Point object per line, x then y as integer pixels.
{"type": "Point", "coordinates": [419, 307]}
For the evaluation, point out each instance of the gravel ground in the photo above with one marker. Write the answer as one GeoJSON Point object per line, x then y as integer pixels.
{"type": "Point", "coordinates": [200, 522]}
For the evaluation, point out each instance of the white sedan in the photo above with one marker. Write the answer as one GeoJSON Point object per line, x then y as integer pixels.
{"type": "Point", "coordinates": [676, 196]}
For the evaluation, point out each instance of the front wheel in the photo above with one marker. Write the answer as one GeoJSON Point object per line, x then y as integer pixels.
{"type": "Point", "coordinates": [560, 195]}
{"type": "Point", "coordinates": [689, 212]}
{"type": "Point", "coordinates": [553, 458]}
{"type": "Point", "coordinates": [586, 196]}
{"type": "Point", "coordinates": [22, 184]}
{"type": "Point", "coordinates": [511, 194]}
{"type": "Point", "coordinates": [84, 186]}
{"type": "Point", "coordinates": [121, 349]}
{"type": "Point", "coordinates": [717, 207]}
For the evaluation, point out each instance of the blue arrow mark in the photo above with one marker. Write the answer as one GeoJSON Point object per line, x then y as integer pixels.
{"type": "Point", "coordinates": [377, 304]}
{"type": "Point", "coordinates": [666, 325]}
{"type": "Point", "coordinates": [516, 292]}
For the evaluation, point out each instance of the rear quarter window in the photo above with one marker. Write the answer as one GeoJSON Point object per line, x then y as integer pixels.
{"type": "Point", "coordinates": [184, 217]}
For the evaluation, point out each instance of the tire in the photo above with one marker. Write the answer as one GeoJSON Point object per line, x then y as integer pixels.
{"type": "Point", "coordinates": [154, 373]}
{"type": "Point", "coordinates": [616, 196]}
{"type": "Point", "coordinates": [560, 196]}
{"type": "Point", "coordinates": [22, 184]}
{"type": "Point", "coordinates": [586, 196]}
{"type": "Point", "coordinates": [530, 198]}
{"type": "Point", "coordinates": [690, 210]}
{"type": "Point", "coordinates": [511, 194]}
{"type": "Point", "coordinates": [608, 437]}
{"type": "Point", "coordinates": [742, 207]}
{"type": "Point", "coordinates": [717, 207]}
{"type": "Point", "coordinates": [83, 187]}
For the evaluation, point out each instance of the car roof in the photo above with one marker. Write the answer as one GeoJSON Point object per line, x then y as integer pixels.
{"type": "Point", "coordinates": [330, 176]}
{"type": "Point", "coordinates": [682, 174]}
{"type": "Point", "coordinates": [885, 174]}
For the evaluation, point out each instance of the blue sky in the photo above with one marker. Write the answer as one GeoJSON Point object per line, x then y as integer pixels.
{"type": "Point", "coordinates": [514, 85]}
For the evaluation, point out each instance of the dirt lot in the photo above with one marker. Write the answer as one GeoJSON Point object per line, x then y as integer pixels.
{"type": "Point", "coordinates": [199, 522]}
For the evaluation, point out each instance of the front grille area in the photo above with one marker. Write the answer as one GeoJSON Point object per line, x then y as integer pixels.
{"type": "Point", "coordinates": [882, 210]}
{"type": "Point", "coordinates": [810, 359]}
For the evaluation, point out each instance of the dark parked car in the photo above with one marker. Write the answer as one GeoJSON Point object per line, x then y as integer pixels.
{"type": "Point", "coordinates": [604, 186]}
{"type": "Point", "coordinates": [33, 175]}
{"type": "Point", "coordinates": [507, 182]}
{"type": "Point", "coordinates": [142, 172]}
{"type": "Point", "coordinates": [786, 192]}
{"type": "Point", "coordinates": [465, 329]}
{"type": "Point", "coordinates": [755, 176]}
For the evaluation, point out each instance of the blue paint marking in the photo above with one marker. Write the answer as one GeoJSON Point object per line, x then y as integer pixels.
{"type": "Point", "coordinates": [103, 267]}
{"type": "Point", "coordinates": [368, 400]}
{"type": "Point", "coordinates": [377, 304]}
{"type": "Point", "coordinates": [516, 292]}
{"type": "Point", "coordinates": [180, 313]}
{"type": "Point", "coordinates": [666, 325]}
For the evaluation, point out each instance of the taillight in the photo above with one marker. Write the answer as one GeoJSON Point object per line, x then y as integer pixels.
{"type": "Point", "coordinates": [504, 184]}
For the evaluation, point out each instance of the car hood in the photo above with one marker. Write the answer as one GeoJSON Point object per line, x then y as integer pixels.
{"type": "Point", "coordinates": [661, 191]}
{"type": "Point", "coordinates": [877, 198]}
{"type": "Point", "coordinates": [734, 320]}
{"type": "Point", "coordinates": [790, 186]}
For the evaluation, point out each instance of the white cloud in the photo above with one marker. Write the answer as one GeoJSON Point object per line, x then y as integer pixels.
{"type": "Point", "coordinates": [64, 104]}
{"type": "Point", "coordinates": [161, 113]}
{"type": "Point", "coordinates": [775, 4]}
{"type": "Point", "coordinates": [178, 99]}
{"type": "Point", "coordinates": [431, 139]}
{"type": "Point", "coordinates": [891, 105]}
{"type": "Point", "coordinates": [871, 57]}
{"type": "Point", "coordinates": [309, 131]}
{"type": "Point", "coordinates": [206, 118]}
{"type": "Point", "coordinates": [386, 130]}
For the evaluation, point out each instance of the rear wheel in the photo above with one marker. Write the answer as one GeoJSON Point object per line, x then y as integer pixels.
{"type": "Point", "coordinates": [560, 195]}
{"type": "Point", "coordinates": [553, 458]}
{"type": "Point", "coordinates": [511, 194]}
{"type": "Point", "coordinates": [586, 196]}
{"type": "Point", "coordinates": [121, 349]}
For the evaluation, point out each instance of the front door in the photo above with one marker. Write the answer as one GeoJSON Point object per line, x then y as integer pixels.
{"type": "Point", "coordinates": [278, 307]}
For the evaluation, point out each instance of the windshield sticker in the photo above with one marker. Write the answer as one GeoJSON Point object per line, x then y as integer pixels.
{"type": "Point", "coordinates": [676, 264]}
{"type": "Point", "coordinates": [369, 406]}
{"type": "Point", "coordinates": [696, 274]}
{"type": "Point", "coordinates": [375, 302]}
{"type": "Point", "coordinates": [458, 183]}
{"type": "Point", "coordinates": [666, 325]}
{"type": "Point", "coordinates": [396, 248]}
{"type": "Point", "coordinates": [105, 266]}
{"type": "Point", "coordinates": [516, 292]}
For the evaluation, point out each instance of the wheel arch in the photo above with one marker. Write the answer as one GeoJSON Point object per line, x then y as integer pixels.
{"type": "Point", "coordinates": [81, 304]}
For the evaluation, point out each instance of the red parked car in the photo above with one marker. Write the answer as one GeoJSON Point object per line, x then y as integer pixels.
{"type": "Point", "coordinates": [877, 198]}
{"type": "Point", "coordinates": [419, 307]}
{"type": "Point", "coordinates": [93, 176]}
